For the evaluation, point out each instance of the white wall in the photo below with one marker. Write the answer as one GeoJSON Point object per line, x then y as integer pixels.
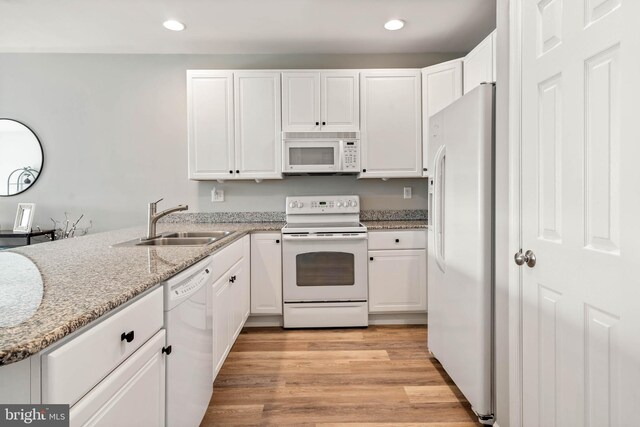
{"type": "Point", "coordinates": [113, 129]}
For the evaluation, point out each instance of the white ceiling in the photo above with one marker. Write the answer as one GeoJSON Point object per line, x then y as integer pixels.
{"type": "Point", "coordinates": [243, 26]}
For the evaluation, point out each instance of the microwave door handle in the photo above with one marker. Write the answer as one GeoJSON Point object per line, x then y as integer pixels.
{"type": "Point", "coordinates": [340, 155]}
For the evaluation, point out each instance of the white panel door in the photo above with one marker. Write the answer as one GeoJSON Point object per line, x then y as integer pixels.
{"type": "Point", "coordinates": [210, 124]}
{"type": "Point", "coordinates": [239, 297]}
{"type": "Point", "coordinates": [301, 101]}
{"type": "Point", "coordinates": [391, 124]}
{"type": "Point", "coordinates": [479, 64]}
{"type": "Point", "coordinates": [258, 140]}
{"type": "Point", "coordinates": [339, 101]}
{"type": "Point", "coordinates": [580, 211]}
{"type": "Point", "coordinates": [266, 273]}
{"type": "Point", "coordinates": [441, 85]}
{"type": "Point", "coordinates": [398, 281]}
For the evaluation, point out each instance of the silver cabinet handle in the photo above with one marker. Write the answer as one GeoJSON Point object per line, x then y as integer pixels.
{"type": "Point", "coordinates": [528, 257]}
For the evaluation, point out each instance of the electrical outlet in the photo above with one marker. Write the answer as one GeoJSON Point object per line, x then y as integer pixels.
{"type": "Point", "coordinates": [217, 195]}
{"type": "Point", "coordinates": [407, 192]}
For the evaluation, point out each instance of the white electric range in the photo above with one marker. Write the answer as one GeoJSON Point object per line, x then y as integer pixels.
{"type": "Point", "coordinates": [324, 261]}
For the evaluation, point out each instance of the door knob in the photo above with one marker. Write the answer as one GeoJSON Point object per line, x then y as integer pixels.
{"type": "Point", "coordinates": [528, 257]}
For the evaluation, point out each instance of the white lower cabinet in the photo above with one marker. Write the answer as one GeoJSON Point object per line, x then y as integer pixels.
{"type": "Point", "coordinates": [397, 277]}
{"type": "Point", "coordinates": [132, 395]}
{"type": "Point", "coordinates": [266, 273]}
{"type": "Point", "coordinates": [231, 302]}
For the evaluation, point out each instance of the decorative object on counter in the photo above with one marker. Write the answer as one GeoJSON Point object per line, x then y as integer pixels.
{"type": "Point", "coordinates": [67, 228]}
{"type": "Point", "coordinates": [21, 289]}
{"type": "Point", "coordinates": [24, 217]}
{"type": "Point", "coordinates": [22, 157]}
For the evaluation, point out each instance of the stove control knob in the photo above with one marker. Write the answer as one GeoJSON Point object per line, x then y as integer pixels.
{"type": "Point", "coordinates": [354, 203]}
{"type": "Point", "coordinates": [339, 204]}
{"type": "Point", "coordinates": [293, 204]}
{"type": "Point", "coordinates": [349, 203]}
{"type": "Point", "coordinates": [300, 204]}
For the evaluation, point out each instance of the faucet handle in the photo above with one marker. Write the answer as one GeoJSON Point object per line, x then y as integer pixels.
{"type": "Point", "coordinates": [155, 203]}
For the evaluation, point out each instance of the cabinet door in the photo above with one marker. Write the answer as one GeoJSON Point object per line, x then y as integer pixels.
{"type": "Point", "coordinates": [397, 281]}
{"type": "Point", "coordinates": [132, 395]}
{"type": "Point", "coordinates": [479, 64]}
{"type": "Point", "coordinates": [210, 124]}
{"type": "Point", "coordinates": [222, 315]}
{"type": "Point", "coordinates": [301, 102]}
{"type": "Point", "coordinates": [266, 273]}
{"type": "Point", "coordinates": [441, 85]}
{"type": "Point", "coordinates": [240, 297]}
{"type": "Point", "coordinates": [258, 140]}
{"type": "Point", "coordinates": [339, 101]}
{"type": "Point", "coordinates": [391, 135]}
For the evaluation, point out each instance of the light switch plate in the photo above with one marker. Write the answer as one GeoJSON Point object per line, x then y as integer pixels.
{"type": "Point", "coordinates": [407, 192]}
{"type": "Point", "coordinates": [217, 195]}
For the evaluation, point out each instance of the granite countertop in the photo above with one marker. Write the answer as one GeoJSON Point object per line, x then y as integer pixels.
{"type": "Point", "coordinates": [85, 278]}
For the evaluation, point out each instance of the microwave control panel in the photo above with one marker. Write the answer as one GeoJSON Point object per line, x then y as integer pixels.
{"type": "Point", "coordinates": [350, 157]}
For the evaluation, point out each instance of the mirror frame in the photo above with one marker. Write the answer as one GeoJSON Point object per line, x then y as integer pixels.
{"type": "Point", "coordinates": [41, 152]}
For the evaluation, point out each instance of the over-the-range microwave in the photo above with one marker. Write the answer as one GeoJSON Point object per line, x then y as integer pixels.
{"type": "Point", "coordinates": [321, 153]}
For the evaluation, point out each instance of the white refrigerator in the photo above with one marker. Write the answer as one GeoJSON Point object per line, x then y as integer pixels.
{"type": "Point", "coordinates": [460, 273]}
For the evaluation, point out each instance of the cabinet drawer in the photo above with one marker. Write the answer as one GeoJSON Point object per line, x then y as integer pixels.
{"type": "Point", "coordinates": [226, 258]}
{"type": "Point", "coordinates": [72, 369]}
{"type": "Point", "coordinates": [406, 239]}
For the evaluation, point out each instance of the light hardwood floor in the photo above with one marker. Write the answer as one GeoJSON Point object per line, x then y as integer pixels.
{"type": "Point", "coordinates": [379, 376]}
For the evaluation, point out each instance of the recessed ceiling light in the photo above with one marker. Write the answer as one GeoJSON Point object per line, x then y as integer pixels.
{"type": "Point", "coordinates": [173, 25]}
{"type": "Point", "coordinates": [394, 24]}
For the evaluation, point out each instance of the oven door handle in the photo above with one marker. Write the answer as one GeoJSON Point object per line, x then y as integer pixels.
{"type": "Point", "coordinates": [316, 237]}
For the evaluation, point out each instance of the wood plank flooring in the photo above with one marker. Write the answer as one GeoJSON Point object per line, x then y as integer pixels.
{"type": "Point", "coordinates": [379, 376]}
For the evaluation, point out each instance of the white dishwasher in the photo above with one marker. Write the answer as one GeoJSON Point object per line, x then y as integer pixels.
{"type": "Point", "coordinates": [190, 337]}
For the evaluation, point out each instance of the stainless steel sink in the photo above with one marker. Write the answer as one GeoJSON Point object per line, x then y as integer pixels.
{"type": "Point", "coordinates": [177, 241]}
{"type": "Point", "coordinates": [187, 238]}
{"type": "Point", "coordinates": [191, 234]}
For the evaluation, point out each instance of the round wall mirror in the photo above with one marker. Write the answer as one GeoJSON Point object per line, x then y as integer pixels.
{"type": "Point", "coordinates": [22, 157]}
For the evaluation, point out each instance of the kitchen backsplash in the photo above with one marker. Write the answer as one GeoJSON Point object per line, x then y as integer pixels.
{"type": "Point", "coordinates": [213, 217]}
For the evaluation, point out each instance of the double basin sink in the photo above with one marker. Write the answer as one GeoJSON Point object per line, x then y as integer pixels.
{"type": "Point", "coordinates": [187, 238]}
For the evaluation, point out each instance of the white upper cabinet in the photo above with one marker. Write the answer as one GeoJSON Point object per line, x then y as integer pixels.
{"type": "Point", "coordinates": [441, 85]}
{"type": "Point", "coordinates": [320, 101]}
{"type": "Point", "coordinates": [234, 121]}
{"type": "Point", "coordinates": [479, 64]}
{"type": "Point", "coordinates": [210, 124]}
{"type": "Point", "coordinates": [339, 101]}
{"type": "Point", "coordinates": [391, 118]}
{"type": "Point", "coordinates": [258, 142]}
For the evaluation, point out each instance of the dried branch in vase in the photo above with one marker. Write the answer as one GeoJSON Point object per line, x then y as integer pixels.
{"type": "Point", "coordinates": [67, 229]}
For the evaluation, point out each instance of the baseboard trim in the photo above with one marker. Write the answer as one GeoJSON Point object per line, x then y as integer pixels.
{"type": "Point", "coordinates": [262, 321]}
{"type": "Point", "coordinates": [398, 319]}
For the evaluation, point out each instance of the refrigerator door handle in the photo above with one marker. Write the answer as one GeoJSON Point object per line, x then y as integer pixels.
{"type": "Point", "coordinates": [438, 208]}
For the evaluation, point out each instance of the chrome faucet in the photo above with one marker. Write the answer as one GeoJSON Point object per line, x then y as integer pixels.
{"type": "Point", "coordinates": [154, 217]}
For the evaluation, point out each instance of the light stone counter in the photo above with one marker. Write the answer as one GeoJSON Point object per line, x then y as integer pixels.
{"type": "Point", "coordinates": [85, 278]}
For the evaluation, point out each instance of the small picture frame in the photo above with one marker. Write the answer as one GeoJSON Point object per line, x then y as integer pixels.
{"type": "Point", "coordinates": [24, 217]}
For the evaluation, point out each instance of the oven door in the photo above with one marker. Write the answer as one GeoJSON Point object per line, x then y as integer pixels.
{"type": "Point", "coordinates": [324, 267]}
{"type": "Point", "coordinates": [304, 156]}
